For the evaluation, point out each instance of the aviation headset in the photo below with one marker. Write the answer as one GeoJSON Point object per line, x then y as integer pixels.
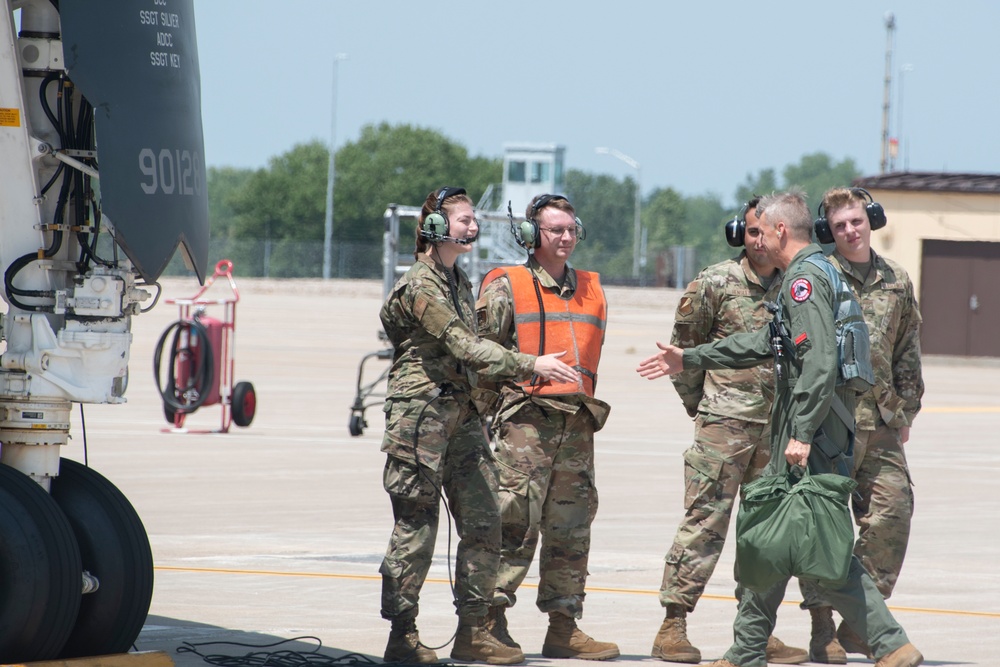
{"type": "Point", "coordinates": [736, 228]}
{"type": "Point", "coordinates": [436, 226]}
{"type": "Point", "coordinates": [527, 233]}
{"type": "Point", "coordinates": [874, 211]}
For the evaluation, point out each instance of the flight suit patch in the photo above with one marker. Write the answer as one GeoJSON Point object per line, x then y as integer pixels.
{"type": "Point", "coordinates": [801, 290]}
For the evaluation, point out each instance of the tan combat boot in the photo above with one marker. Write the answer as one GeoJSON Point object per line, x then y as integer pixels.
{"type": "Point", "coordinates": [823, 645]}
{"type": "Point", "coordinates": [496, 623]}
{"type": "Point", "coordinates": [671, 643]}
{"type": "Point", "coordinates": [781, 654]}
{"type": "Point", "coordinates": [474, 643]}
{"type": "Point", "coordinates": [404, 644]}
{"type": "Point", "coordinates": [906, 655]}
{"type": "Point", "coordinates": [851, 642]}
{"type": "Point", "coordinates": [565, 640]}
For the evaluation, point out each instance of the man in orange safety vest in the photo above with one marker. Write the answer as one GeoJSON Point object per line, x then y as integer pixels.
{"type": "Point", "coordinates": [543, 431]}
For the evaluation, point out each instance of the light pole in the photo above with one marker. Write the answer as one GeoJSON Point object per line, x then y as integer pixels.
{"type": "Point", "coordinates": [899, 115]}
{"type": "Point", "coordinates": [328, 223]}
{"type": "Point", "coordinates": [637, 230]}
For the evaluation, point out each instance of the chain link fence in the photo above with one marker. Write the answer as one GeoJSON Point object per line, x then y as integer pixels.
{"type": "Point", "coordinates": [266, 258]}
{"type": "Point", "coordinates": [357, 260]}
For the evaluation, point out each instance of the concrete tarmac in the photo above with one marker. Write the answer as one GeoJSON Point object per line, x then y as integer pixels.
{"type": "Point", "coordinates": [276, 531]}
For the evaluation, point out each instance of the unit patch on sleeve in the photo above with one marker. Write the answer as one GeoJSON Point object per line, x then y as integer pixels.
{"type": "Point", "coordinates": [801, 290]}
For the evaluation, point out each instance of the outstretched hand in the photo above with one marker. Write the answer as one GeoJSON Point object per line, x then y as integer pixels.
{"type": "Point", "coordinates": [548, 367]}
{"type": "Point", "coordinates": [668, 362]}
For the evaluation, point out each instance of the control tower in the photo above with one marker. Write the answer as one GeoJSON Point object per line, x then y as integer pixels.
{"type": "Point", "coordinates": [531, 169]}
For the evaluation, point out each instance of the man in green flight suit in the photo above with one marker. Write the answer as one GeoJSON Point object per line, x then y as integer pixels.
{"type": "Point", "coordinates": [731, 409]}
{"type": "Point", "coordinates": [811, 419]}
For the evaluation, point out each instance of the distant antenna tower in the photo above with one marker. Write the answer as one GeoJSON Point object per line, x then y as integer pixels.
{"type": "Point", "coordinates": [890, 28]}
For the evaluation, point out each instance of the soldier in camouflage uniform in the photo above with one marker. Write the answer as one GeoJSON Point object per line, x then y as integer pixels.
{"type": "Point", "coordinates": [806, 427]}
{"type": "Point", "coordinates": [731, 409]}
{"type": "Point", "coordinates": [544, 433]}
{"type": "Point", "coordinates": [434, 436]}
{"type": "Point", "coordinates": [883, 505]}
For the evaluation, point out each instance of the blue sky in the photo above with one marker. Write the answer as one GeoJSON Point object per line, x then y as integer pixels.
{"type": "Point", "coordinates": [700, 94]}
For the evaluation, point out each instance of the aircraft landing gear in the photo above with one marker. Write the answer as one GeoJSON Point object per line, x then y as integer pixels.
{"type": "Point", "coordinates": [49, 540]}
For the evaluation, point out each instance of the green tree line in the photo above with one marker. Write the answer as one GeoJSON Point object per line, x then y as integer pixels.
{"type": "Point", "coordinates": [271, 221]}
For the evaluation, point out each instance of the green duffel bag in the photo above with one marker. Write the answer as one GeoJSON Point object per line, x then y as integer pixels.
{"type": "Point", "coordinates": [794, 525]}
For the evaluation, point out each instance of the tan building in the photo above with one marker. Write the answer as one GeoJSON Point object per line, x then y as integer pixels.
{"type": "Point", "coordinates": [945, 230]}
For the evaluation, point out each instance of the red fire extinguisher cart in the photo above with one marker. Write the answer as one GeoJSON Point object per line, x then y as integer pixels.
{"type": "Point", "coordinates": [200, 368]}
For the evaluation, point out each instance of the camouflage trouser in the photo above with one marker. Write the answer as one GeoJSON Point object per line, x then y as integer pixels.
{"type": "Point", "coordinates": [468, 476]}
{"type": "Point", "coordinates": [726, 453]}
{"type": "Point", "coordinates": [546, 463]}
{"type": "Point", "coordinates": [883, 512]}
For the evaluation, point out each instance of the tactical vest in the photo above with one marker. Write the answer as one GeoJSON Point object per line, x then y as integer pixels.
{"type": "Point", "coordinates": [854, 362]}
{"type": "Point", "coordinates": [547, 323]}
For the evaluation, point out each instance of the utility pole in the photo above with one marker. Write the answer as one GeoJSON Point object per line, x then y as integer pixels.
{"type": "Point", "coordinates": [890, 28]}
{"type": "Point", "coordinates": [328, 222]}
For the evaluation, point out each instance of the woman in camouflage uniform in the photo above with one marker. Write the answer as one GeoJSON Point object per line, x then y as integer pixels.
{"type": "Point", "coordinates": [434, 437]}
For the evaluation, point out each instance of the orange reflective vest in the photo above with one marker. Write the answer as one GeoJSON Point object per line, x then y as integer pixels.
{"type": "Point", "coordinates": [546, 323]}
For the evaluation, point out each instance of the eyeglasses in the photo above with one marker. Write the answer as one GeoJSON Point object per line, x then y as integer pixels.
{"type": "Point", "coordinates": [559, 231]}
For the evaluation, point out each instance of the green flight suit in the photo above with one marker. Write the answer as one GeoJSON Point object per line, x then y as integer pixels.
{"type": "Point", "coordinates": [803, 410]}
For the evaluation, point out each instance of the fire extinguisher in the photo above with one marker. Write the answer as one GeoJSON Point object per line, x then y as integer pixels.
{"type": "Point", "coordinates": [194, 366]}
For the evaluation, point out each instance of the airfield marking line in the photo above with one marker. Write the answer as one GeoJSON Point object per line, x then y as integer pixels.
{"type": "Point", "coordinates": [626, 591]}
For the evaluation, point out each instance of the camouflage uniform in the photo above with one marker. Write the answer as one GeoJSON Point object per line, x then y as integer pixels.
{"type": "Point", "coordinates": [884, 486]}
{"type": "Point", "coordinates": [731, 410]}
{"type": "Point", "coordinates": [545, 451]}
{"type": "Point", "coordinates": [431, 381]}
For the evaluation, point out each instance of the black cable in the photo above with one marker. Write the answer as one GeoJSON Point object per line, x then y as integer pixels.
{"type": "Point", "coordinates": [10, 290]}
{"type": "Point", "coordinates": [79, 137]}
{"type": "Point", "coordinates": [453, 289]}
{"type": "Point", "coordinates": [284, 658]}
{"type": "Point", "coordinates": [17, 265]}
{"type": "Point", "coordinates": [156, 298]}
{"type": "Point", "coordinates": [541, 315]}
{"type": "Point", "coordinates": [541, 336]}
{"type": "Point", "coordinates": [55, 175]}
{"type": "Point", "coordinates": [446, 390]}
{"type": "Point", "coordinates": [75, 131]}
{"type": "Point", "coordinates": [200, 381]}
{"type": "Point", "coordinates": [84, 195]}
{"type": "Point", "coordinates": [83, 426]}
{"type": "Point", "coordinates": [46, 109]}
{"type": "Point", "coordinates": [67, 99]}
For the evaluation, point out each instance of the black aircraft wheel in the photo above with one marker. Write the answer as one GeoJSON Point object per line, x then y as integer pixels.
{"type": "Point", "coordinates": [114, 548]}
{"type": "Point", "coordinates": [244, 403]}
{"type": "Point", "coordinates": [40, 571]}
